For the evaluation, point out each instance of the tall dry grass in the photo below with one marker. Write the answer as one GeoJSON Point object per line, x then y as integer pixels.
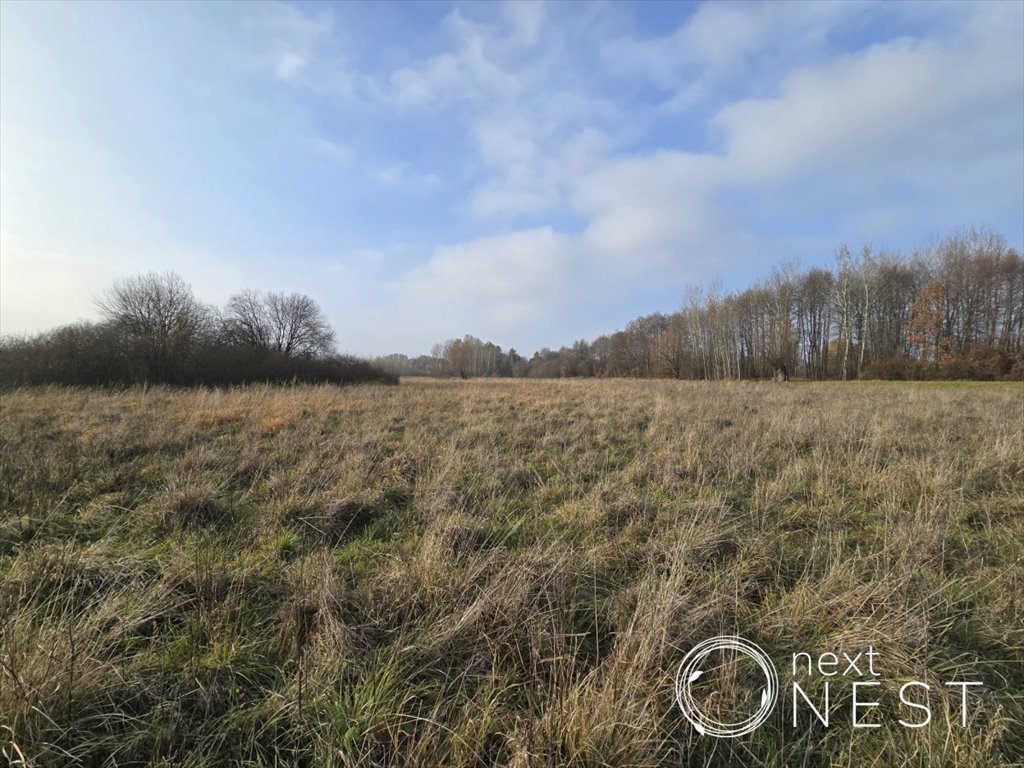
{"type": "Point", "coordinates": [498, 572]}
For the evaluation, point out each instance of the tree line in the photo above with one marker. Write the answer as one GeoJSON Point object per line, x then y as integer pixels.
{"type": "Point", "coordinates": [154, 330]}
{"type": "Point", "coordinates": [951, 310]}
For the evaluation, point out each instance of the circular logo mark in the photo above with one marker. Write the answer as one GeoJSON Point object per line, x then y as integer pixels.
{"type": "Point", "coordinates": [690, 671]}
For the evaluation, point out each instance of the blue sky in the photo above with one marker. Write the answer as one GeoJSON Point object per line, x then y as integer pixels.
{"type": "Point", "coordinates": [530, 173]}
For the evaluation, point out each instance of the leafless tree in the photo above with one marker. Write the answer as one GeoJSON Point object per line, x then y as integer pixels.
{"type": "Point", "coordinates": [159, 319]}
{"type": "Point", "coordinates": [246, 321]}
{"type": "Point", "coordinates": [291, 324]}
{"type": "Point", "coordinates": [842, 297]}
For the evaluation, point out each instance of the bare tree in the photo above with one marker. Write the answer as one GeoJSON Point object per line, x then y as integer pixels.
{"type": "Point", "coordinates": [246, 321]}
{"type": "Point", "coordinates": [842, 290]}
{"type": "Point", "coordinates": [782, 350]}
{"type": "Point", "coordinates": [814, 320]}
{"type": "Point", "coordinates": [299, 327]}
{"type": "Point", "coordinates": [867, 273]}
{"type": "Point", "coordinates": [292, 324]}
{"type": "Point", "coordinates": [159, 318]}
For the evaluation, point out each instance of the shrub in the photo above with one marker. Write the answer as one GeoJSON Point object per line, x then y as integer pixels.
{"type": "Point", "coordinates": [91, 354]}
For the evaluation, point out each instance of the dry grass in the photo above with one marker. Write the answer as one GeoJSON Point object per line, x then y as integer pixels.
{"type": "Point", "coordinates": [498, 572]}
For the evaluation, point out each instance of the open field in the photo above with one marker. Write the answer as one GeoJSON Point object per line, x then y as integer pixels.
{"type": "Point", "coordinates": [501, 572]}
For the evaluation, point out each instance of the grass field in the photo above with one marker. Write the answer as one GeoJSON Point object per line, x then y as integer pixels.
{"type": "Point", "coordinates": [501, 572]}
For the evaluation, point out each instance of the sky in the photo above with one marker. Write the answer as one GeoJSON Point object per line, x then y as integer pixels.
{"type": "Point", "coordinates": [528, 173]}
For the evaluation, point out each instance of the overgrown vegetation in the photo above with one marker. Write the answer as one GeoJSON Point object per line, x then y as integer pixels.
{"type": "Point", "coordinates": [155, 331]}
{"type": "Point", "coordinates": [498, 573]}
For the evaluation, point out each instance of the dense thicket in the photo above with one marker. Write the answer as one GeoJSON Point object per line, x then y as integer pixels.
{"type": "Point", "coordinates": [953, 310]}
{"type": "Point", "coordinates": [155, 331]}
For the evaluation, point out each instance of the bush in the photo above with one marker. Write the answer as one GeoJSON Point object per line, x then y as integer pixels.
{"type": "Point", "coordinates": [224, 365]}
{"type": "Point", "coordinates": [83, 353]}
{"type": "Point", "coordinates": [89, 354]}
{"type": "Point", "coordinates": [982, 363]}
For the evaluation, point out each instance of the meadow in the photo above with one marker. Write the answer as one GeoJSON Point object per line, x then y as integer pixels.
{"type": "Point", "coordinates": [501, 572]}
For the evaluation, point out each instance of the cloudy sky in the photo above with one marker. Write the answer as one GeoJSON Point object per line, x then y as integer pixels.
{"type": "Point", "coordinates": [528, 173]}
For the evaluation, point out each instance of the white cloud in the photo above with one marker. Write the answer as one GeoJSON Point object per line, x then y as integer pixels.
{"type": "Point", "coordinates": [437, 82]}
{"type": "Point", "coordinates": [521, 103]}
{"type": "Point", "coordinates": [494, 269]}
{"type": "Point", "coordinates": [892, 100]}
{"type": "Point", "coordinates": [339, 153]}
{"type": "Point", "coordinates": [526, 18]}
{"type": "Point", "coordinates": [722, 40]}
{"type": "Point", "coordinates": [291, 37]}
{"type": "Point", "coordinates": [470, 73]}
{"type": "Point", "coordinates": [389, 175]}
{"type": "Point", "coordinates": [393, 174]}
{"type": "Point", "coordinates": [288, 64]}
{"type": "Point", "coordinates": [887, 113]}
{"type": "Point", "coordinates": [493, 285]}
{"type": "Point", "coordinates": [532, 172]}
